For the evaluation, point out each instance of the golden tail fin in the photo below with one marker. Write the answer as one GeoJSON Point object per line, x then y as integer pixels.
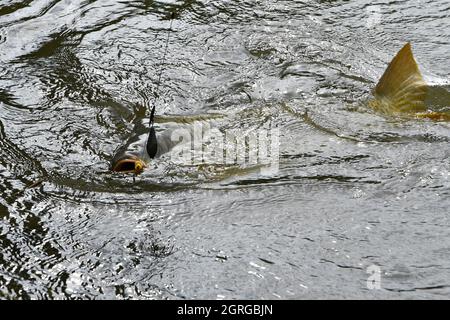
{"type": "Point", "coordinates": [436, 116]}
{"type": "Point", "coordinates": [401, 88]}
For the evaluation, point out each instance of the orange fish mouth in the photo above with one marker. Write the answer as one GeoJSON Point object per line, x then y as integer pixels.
{"type": "Point", "coordinates": [129, 165]}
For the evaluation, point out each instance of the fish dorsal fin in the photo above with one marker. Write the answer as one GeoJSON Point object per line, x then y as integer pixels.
{"type": "Point", "coordinates": [402, 88]}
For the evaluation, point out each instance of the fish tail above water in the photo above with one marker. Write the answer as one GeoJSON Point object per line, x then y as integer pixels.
{"type": "Point", "coordinates": [401, 89]}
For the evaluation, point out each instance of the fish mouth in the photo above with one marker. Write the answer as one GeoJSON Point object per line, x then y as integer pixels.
{"type": "Point", "coordinates": [129, 165]}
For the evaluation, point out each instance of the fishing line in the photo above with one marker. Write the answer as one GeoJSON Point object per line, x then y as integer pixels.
{"type": "Point", "coordinates": [152, 113]}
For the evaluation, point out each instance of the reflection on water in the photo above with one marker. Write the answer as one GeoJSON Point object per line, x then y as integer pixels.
{"type": "Point", "coordinates": [353, 189]}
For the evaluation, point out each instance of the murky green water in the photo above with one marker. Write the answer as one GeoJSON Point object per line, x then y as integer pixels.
{"type": "Point", "coordinates": [354, 189]}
